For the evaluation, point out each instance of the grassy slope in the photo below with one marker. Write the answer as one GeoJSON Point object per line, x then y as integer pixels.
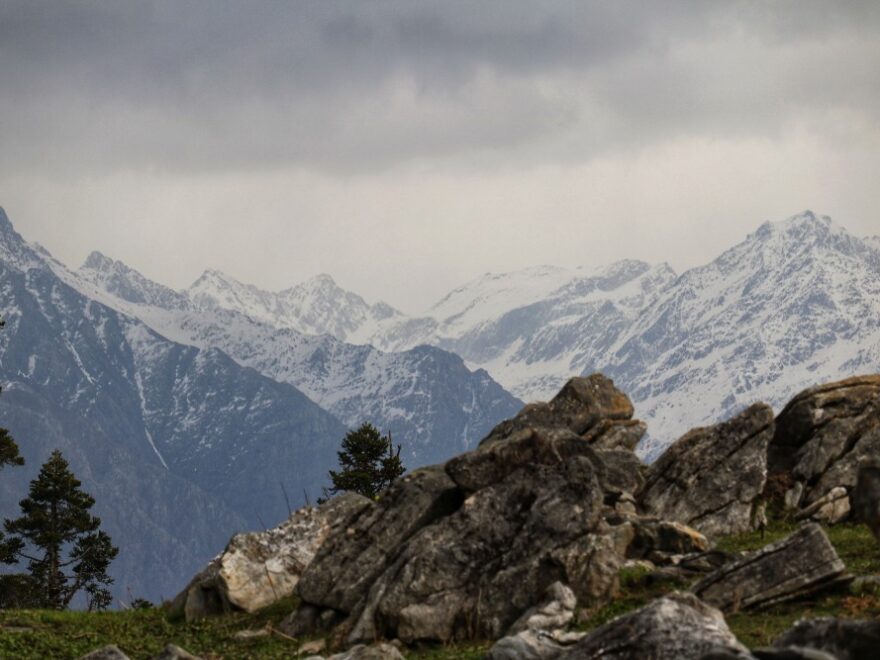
{"type": "Point", "coordinates": [143, 633]}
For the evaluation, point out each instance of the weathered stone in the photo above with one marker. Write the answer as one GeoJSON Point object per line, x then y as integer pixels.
{"type": "Point", "coordinates": [865, 584]}
{"type": "Point", "coordinates": [823, 433]}
{"type": "Point", "coordinates": [845, 639]}
{"type": "Point", "coordinates": [831, 508]}
{"type": "Point", "coordinates": [866, 495]}
{"type": "Point", "coordinates": [174, 652]}
{"type": "Point", "coordinates": [351, 559]}
{"type": "Point", "coordinates": [711, 478]}
{"type": "Point", "coordinates": [580, 404]}
{"type": "Point", "coordinates": [382, 651]}
{"type": "Point", "coordinates": [475, 572]}
{"type": "Point", "coordinates": [794, 495]}
{"type": "Point", "coordinates": [803, 563]}
{"type": "Point", "coordinates": [109, 652]}
{"type": "Point", "coordinates": [517, 516]}
{"type": "Point", "coordinates": [676, 627]}
{"type": "Point", "coordinates": [533, 645]}
{"type": "Point", "coordinates": [555, 613]}
{"type": "Point", "coordinates": [256, 569]}
{"type": "Point", "coordinates": [616, 434]}
{"type": "Point", "coordinates": [663, 536]}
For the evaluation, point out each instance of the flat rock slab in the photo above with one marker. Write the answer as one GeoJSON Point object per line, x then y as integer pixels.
{"type": "Point", "coordinates": [803, 563]}
{"type": "Point", "coordinates": [712, 477]}
{"type": "Point", "coordinates": [675, 627]}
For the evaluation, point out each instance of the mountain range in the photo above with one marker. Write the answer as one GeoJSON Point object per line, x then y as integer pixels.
{"type": "Point", "coordinates": [180, 444]}
{"type": "Point", "coordinates": [193, 414]}
{"type": "Point", "coordinates": [796, 301]}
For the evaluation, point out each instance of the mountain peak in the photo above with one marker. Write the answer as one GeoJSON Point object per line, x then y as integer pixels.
{"type": "Point", "coordinates": [97, 261]}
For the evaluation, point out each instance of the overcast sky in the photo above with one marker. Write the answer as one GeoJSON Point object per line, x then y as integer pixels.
{"type": "Point", "coordinates": [406, 147]}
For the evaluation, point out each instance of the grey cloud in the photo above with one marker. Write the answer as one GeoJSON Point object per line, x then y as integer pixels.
{"type": "Point", "coordinates": [360, 86]}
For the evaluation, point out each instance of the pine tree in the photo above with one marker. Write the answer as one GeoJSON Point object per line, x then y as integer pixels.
{"type": "Point", "coordinates": [368, 462]}
{"type": "Point", "coordinates": [67, 552]}
{"type": "Point", "coordinates": [8, 456]}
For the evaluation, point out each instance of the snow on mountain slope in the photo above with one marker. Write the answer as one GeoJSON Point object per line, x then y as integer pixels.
{"type": "Point", "coordinates": [793, 304]}
{"type": "Point", "coordinates": [537, 327]}
{"type": "Point", "coordinates": [796, 303]}
{"type": "Point", "coordinates": [317, 306]}
{"type": "Point", "coordinates": [180, 446]}
{"type": "Point", "coordinates": [426, 397]}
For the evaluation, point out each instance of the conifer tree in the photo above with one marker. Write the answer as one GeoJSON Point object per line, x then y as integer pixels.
{"type": "Point", "coordinates": [65, 549]}
{"type": "Point", "coordinates": [8, 456]}
{"type": "Point", "coordinates": [368, 462]}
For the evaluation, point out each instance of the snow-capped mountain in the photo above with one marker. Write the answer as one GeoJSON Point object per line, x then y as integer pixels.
{"type": "Point", "coordinates": [797, 302]}
{"type": "Point", "coordinates": [315, 307]}
{"type": "Point", "coordinates": [180, 446]}
{"type": "Point", "coordinates": [430, 402]}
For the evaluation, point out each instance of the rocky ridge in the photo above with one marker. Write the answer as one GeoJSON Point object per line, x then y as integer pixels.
{"type": "Point", "coordinates": [510, 541]}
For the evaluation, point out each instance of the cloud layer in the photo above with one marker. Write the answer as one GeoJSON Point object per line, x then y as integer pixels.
{"type": "Point", "coordinates": [430, 123]}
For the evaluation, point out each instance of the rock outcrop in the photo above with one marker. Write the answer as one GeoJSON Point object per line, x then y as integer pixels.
{"type": "Point", "coordinates": [712, 478]}
{"type": "Point", "coordinates": [259, 568]}
{"type": "Point", "coordinates": [820, 438]}
{"type": "Point", "coordinates": [803, 563]}
{"type": "Point", "coordinates": [464, 550]}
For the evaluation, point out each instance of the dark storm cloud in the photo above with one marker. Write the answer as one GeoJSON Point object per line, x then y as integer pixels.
{"type": "Point", "coordinates": [347, 87]}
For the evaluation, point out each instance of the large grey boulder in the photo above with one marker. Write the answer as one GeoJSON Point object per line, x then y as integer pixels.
{"type": "Point", "coordinates": [462, 551]}
{"type": "Point", "coordinates": [712, 478]}
{"type": "Point", "coordinates": [803, 563]}
{"type": "Point", "coordinates": [845, 639]}
{"type": "Point", "coordinates": [821, 437]}
{"type": "Point", "coordinates": [676, 627]}
{"type": "Point", "coordinates": [555, 613]}
{"type": "Point", "coordinates": [258, 568]}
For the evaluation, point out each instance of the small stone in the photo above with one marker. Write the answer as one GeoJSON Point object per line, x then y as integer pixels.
{"type": "Point", "coordinates": [109, 652]}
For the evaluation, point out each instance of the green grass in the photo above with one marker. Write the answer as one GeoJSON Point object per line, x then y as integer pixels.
{"type": "Point", "coordinates": [143, 633]}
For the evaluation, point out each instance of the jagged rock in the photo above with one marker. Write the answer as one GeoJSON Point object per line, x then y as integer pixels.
{"type": "Point", "coordinates": [711, 478]}
{"type": "Point", "coordinates": [555, 613]}
{"type": "Point", "coordinates": [822, 435]}
{"type": "Point", "coordinates": [831, 508]}
{"type": "Point", "coordinates": [845, 639]}
{"type": "Point", "coordinates": [475, 572]}
{"type": "Point", "coordinates": [533, 645]}
{"type": "Point", "coordinates": [351, 559]}
{"type": "Point", "coordinates": [463, 550]}
{"type": "Point", "coordinates": [580, 405]}
{"type": "Point", "coordinates": [174, 652]}
{"type": "Point", "coordinates": [675, 627]}
{"type": "Point", "coordinates": [866, 496]}
{"type": "Point", "coordinates": [805, 562]}
{"type": "Point", "coordinates": [259, 568]}
{"type": "Point", "coordinates": [109, 652]}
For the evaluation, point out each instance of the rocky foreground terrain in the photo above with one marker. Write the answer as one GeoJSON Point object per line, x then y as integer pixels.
{"type": "Point", "coordinates": [523, 539]}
